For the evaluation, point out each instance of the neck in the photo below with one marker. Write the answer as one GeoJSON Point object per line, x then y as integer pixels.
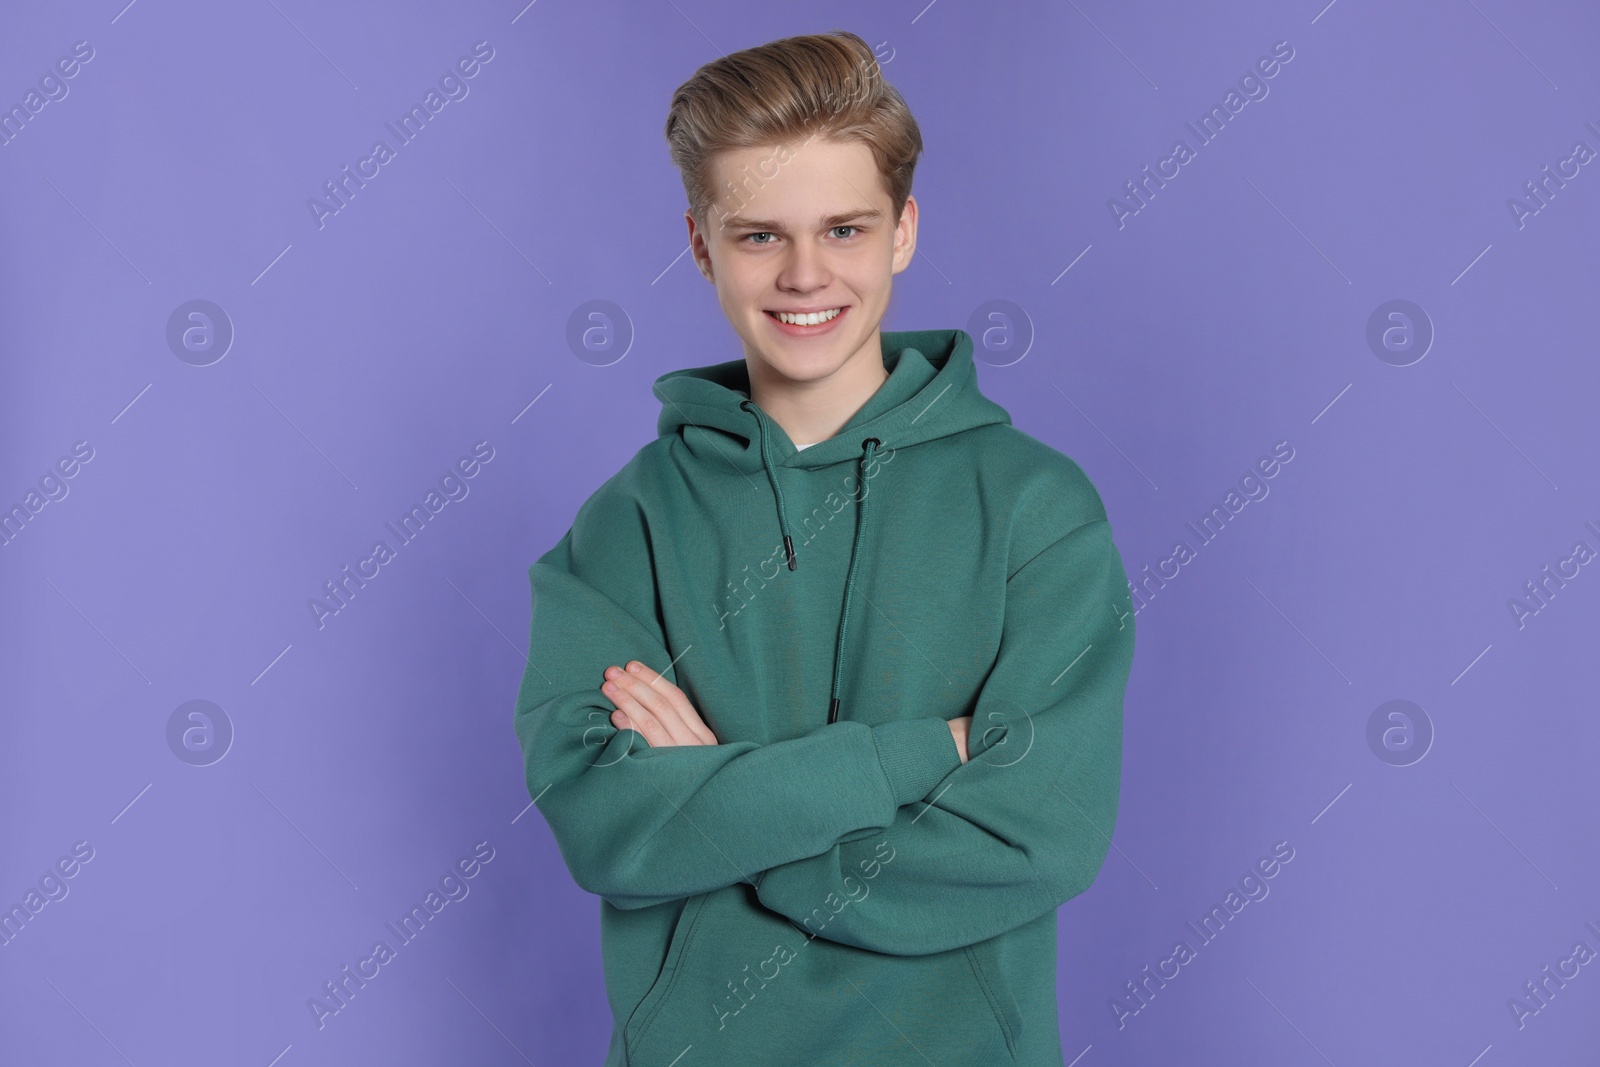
{"type": "Point", "coordinates": [813, 411]}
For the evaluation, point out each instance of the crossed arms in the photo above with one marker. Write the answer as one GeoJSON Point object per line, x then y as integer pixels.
{"type": "Point", "coordinates": [1008, 834]}
{"type": "Point", "coordinates": [651, 705]}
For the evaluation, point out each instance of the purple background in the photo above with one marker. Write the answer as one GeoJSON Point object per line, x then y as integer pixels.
{"type": "Point", "coordinates": [432, 312]}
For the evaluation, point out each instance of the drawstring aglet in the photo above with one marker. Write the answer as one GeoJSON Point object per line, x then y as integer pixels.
{"type": "Point", "coordinates": [788, 547]}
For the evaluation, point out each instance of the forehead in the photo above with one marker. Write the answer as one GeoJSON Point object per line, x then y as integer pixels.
{"type": "Point", "coordinates": [798, 184]}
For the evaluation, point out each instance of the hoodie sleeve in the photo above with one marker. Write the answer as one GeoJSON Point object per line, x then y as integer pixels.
{"type": "Point", "coordinates": [1026, 823]}
{"type": "Point", "coordinates": [638, 825]}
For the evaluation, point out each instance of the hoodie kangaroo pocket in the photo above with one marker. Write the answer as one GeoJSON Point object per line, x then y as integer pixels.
{"type": "Point", "coordinates": [986, 970]}
{"type": "Point", "coordinates": [743, 985]}
{"type": "Point", "coordinates": [682, 933]}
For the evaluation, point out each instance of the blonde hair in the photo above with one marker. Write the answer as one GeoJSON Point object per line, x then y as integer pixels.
{"type": "Point", "coordinates": [825, 85]}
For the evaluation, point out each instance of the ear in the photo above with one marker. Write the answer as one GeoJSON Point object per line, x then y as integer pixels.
{"type": "Point", "coordinates": [697, 247]}
{"type": "Point", "coordinates": [905, 235]}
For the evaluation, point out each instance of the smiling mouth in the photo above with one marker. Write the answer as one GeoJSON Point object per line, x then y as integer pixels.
{"type": "Point", "coordinates": [813, 318]}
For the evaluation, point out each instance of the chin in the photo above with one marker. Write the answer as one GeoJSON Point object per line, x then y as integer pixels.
{"type": "Point", "coordinates": [798, 370]}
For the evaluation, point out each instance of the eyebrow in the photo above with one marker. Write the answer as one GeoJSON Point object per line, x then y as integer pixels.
{"type": "Point", "coordinates": [739, 222]}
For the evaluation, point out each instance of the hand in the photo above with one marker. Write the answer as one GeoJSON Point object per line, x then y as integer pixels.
{"type": "Point", "coordinates": [959, 728]}
{"type": "Point", "coordinates": [654, 707]}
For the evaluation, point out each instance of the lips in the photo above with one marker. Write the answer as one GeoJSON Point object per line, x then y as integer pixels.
{"type": "Point", "coordinates": [815, 330]}
{"type": "Point", "coordinates": [839, 308]}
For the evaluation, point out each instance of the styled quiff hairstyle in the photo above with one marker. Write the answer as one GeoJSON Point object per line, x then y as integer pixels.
{"type": "Point", "coordinates": [787, 91]}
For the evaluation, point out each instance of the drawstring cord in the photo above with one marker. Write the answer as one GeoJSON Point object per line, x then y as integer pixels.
{"type": "Point", "coordinates": [869, 448]}
{"type": "Point", "coordinates": [772, 476]}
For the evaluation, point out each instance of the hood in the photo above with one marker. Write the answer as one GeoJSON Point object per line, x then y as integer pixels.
{"type": "Point", "coordinates": [931, 392]}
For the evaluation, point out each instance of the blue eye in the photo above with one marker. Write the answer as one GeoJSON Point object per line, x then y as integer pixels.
{"type": "Point", "coordinates": [750, 238]}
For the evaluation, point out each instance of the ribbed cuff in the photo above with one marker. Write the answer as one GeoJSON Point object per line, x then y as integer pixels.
{"type": "Point", "coordinates": [916, 754]}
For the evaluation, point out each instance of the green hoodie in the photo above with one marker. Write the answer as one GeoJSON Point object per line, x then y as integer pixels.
{"type": "Point", "coordinates": [830, 884]}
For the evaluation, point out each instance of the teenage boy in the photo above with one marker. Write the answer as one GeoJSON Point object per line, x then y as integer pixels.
{"type": "Point", "coordinates": [824, 697]}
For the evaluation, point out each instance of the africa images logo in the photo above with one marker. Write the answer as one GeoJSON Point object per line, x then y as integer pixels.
{"type": "Point", "coordinates": [1252, 84]}
{"type": "Point", "coordinates": [453, 87]}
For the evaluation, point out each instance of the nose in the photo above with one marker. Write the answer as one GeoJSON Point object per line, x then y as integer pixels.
{"type": "Point", "coordinates": [805, 270]}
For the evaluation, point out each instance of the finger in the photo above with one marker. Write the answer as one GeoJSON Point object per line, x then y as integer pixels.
{"type": "Point", "coordinates": [960, 729]}
{"type": "Point", "coordinates": [667, 702]}
{"type": "Point", "coordinates": [658, 707]}
{"type": "Point", "coordinates": [677, 699]}
{"type": "Point", "coordinates": [631, 715]}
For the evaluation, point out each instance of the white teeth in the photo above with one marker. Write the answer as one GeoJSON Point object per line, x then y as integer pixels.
{"type": "Point", "coordinates": [815, 318]}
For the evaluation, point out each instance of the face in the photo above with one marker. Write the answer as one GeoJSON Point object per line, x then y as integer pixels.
{"type": "Point", "coordinates": [804, 227]}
